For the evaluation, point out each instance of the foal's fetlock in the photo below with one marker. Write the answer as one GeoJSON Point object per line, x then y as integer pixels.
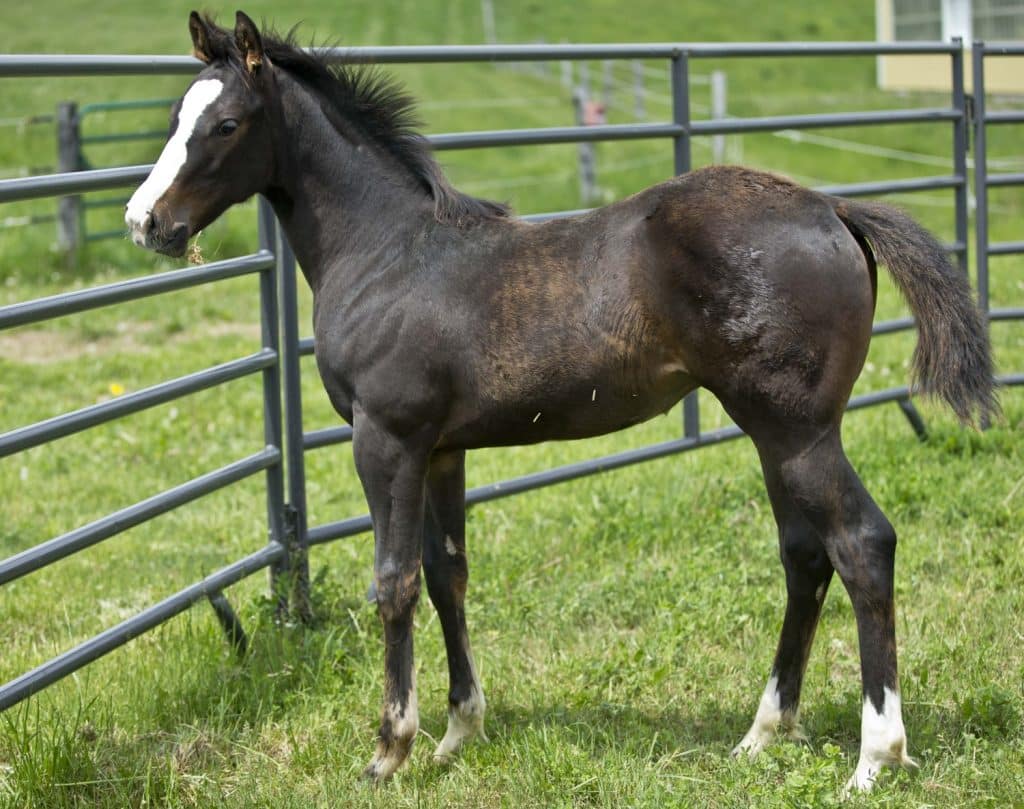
{"type": "Point", "coordinates": [397, 733]}
{"type": "Point", "coordinates": [465, 722]}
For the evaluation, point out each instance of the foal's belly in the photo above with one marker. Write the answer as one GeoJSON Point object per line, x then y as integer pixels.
{"type": "Point", "coordinates": [567, 409]}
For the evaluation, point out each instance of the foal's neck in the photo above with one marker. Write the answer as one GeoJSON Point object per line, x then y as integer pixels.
{"type": "Point", "coordinates": [340, 198]}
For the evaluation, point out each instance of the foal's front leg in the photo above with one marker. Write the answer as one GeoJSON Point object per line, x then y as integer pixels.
{"type": "Point", "coordinates": [393, 472]}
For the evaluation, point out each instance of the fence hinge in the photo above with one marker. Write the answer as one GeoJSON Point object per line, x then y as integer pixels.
{"type": "Point", "coordinates": [290, 526]}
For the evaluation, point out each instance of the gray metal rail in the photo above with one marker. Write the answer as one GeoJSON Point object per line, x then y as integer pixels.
{"type": "Point", "coordinates": [561, 474]}
{"type": "Point", "coordinates": [28, 65]}
{"type": "Point", "coordinates": [68, 303]}
{"type": "Point", "coordinates": [42, 555]}
{"type": "Point", "coordinates": [70, 661]}
{"type": "Point", "coordinates": [68, 423]}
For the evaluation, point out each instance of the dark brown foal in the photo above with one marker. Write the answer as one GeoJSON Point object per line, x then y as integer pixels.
{"type": "Point", "coordinates": [443, 324]}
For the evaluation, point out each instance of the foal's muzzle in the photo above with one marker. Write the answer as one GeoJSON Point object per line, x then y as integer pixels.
{"type": "Point", "coordinates": [149, 233]}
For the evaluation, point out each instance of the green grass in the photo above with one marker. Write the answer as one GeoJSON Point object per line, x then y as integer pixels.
{"type": "Point", "coordinates": [623, 624]}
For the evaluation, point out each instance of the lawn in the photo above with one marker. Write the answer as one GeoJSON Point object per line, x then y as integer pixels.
{"type": "Point", "coordinates": [623, 624]}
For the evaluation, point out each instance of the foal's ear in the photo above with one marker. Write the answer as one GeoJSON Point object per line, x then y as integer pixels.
{"type": "Point", "coordinates": [247, 38]}
{"type": "Point", "coordinates": [201, 36]}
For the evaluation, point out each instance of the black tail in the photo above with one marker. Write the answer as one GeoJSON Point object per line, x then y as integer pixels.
{"type": "Point", "coordinates": [952, 359]}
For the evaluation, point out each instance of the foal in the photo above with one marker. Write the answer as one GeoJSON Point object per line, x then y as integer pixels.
{"type": "Point", "coordinates": [443, 324]}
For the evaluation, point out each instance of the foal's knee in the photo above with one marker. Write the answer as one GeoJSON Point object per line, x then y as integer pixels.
{"type": "Point", "coordinates": [397, 594]}
{"type": "Point", "coordinates": [804, 559]}
{"type": "Point", "coordinates": [867, 558]}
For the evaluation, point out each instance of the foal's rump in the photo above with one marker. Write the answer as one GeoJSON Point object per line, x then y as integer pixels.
{"type": "Point", "coordinates": [776, 286]}
{"type": "Point", "coordinates": [774, 294]}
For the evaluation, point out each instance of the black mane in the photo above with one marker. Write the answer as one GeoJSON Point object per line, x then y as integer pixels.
{"type": "Point", "coordinates": [375, 104]}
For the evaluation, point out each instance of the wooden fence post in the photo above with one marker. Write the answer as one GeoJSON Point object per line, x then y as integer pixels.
{"type": "Point", "coordinates": [69, 158]}
{"type": "Point", "coordinates": [718, 111]}
{"type": "Point", "coordinates": [639, 101]}
{"type": "Point", "coordinates": [587, 157]}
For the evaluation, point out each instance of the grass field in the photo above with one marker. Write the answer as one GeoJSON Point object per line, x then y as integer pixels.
{"type": "Point", "coordinates": [623, 624]}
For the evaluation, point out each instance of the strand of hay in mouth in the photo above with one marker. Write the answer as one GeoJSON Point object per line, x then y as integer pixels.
{"type": "Point", "coordinates": [195, 252]}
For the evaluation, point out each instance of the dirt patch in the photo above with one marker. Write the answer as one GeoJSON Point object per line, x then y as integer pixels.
{"type": "Point", "coordinates": [44, 346]}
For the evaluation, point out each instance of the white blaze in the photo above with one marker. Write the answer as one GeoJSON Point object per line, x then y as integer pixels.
{"type": "Point", "coordinates": [199, 96]}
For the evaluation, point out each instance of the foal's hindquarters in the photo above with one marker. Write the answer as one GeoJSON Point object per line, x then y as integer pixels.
{"type": "Point", "coordinates": [792, 336]}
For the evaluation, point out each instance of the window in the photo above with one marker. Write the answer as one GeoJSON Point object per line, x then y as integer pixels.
{"type": "Point", "coordinates": [918, 19]}
{"type": "Point", "coordinates": [998, 20]}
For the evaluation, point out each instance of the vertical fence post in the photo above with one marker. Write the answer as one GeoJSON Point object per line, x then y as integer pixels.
{"type": "Point", "coordinates": [980, 184]}
{"type": "Point", "coordinates": [584, 73]}
{"type": "Point", "coordinates": [980, 175]}
{"type": "Point", "coordinates": [566, 74]}
{"type": "Point", "coordinates": [270, 328]}
{"type": "Point", "coordinates": [960, 153]}
{"type": "Point", "coordinates": [639, 101]}
{"type": "Point", "coordinates": [607, 82]}
{"type": "Point", "coordinates": [586, 151]}
{"type": "Point", "coordinates": [487, 18]}
{"type": "Point", "coordinates": [69, 158]}
{"type": "Point", "coordinates": [294, 443]}
{"type": "Point", "coordinates": [718, 111]}
{"type": "Point", "coordinates": [680, 75]}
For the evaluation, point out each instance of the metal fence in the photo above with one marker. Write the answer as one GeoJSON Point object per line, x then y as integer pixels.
{"type": "Point", "coordinates": [279, 359]}
{"type": "Point", "coordinates": [983, 181]}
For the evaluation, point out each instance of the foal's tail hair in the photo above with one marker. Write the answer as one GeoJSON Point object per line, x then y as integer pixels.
{"type": "Point", "coordinates": [952, 359]}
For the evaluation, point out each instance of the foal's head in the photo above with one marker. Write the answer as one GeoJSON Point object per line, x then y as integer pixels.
{"type": "Point", "coordinates": [219, 151]}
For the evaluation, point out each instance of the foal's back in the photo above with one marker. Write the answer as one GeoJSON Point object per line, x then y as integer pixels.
{"type": "Point", "coordinates": [586, 325]}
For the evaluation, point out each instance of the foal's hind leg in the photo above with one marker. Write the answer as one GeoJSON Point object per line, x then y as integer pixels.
{"type": "Point", "coordinates": [444, 563]}
{"type": "Point", "coordinates": [808, 573]}
{"type": "Point", "coordinates": [861, 545]}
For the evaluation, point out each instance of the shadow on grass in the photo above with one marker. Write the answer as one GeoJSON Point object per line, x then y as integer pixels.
{"type": "Point", "coordinates": [715, 729]}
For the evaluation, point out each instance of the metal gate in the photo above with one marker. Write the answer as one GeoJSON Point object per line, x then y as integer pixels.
{"type": "Point", "coordinates": [279, 359]}
{"type": "Point", "coordinates": [983, 181]}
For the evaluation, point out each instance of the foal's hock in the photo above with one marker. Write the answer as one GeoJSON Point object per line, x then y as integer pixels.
{"type": "Point", "coordinates": [442, 323]}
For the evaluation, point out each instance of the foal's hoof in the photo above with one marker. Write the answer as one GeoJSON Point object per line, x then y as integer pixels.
{"type": "Point", "coordinates": [863, 778]}
{"type": "Point", "coordinates": [386, 761]}
{"type": "Point", "coordinates": [750, 746]}
{"type": "Point", "coordinates": [455, 739]}
{"type": "Point", "coordinates": [761, 735]}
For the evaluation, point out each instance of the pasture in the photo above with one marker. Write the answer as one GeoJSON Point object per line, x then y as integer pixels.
{"type": "Point", "coordinates": [624, 624]}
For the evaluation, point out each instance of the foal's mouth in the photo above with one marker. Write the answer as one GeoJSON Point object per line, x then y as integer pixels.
{"type": "Point", "coordinates": [176, 244]}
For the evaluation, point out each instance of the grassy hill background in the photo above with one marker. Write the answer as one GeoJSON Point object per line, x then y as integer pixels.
{"type": "Point", "coordinates": [464, 97]}
{"type": "Point", "coordinates": [624, 624]}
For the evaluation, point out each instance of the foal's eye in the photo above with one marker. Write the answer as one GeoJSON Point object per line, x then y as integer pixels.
{"type": "Point", "coordinates": [227, 127]}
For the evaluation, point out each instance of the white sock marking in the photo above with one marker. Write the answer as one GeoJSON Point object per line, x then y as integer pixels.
{"type": "Point", "coordinates": [766, 721]}
{"type": "Point", "coordinates": [883, 741]}
{"type": "Point", "coordinates": [199, 96]}
{"type": "Point", "coordinates": [465, 720]}
{"type": "Point", "coordinates": [404, 726]}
